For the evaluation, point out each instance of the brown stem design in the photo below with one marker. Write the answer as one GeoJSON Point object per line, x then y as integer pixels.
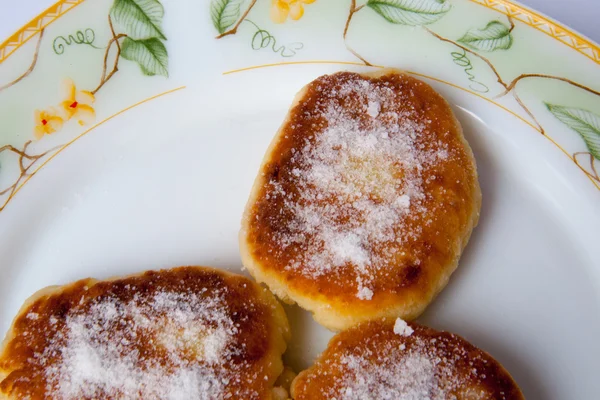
{"type": "Point", "coordinates": [233, 30]}
{"type": "Point", "coordinates": [511, 22]}
{"type": "Point", "coordinates": [495, 71]}
{"type": "Point", "coordinates": [511, 86]}
{"type": "Point", "coordinates": [114, 35]}
{"type": "Point", "coordinates": [353, 10]}
{"type": "Point", "coordinates": [115, 39]}
{"type": "Point", "coordinates": [10, 189]}
{"type": "Point", "coordinates": [31, 67]}
{"type": "Point", "coordinates": [24, 156]}
{"type": "Point", "coordinates": [488, 62]}
{"type": "Point", "coordinates": [514, 82]}
{"type": "Point", "coordinates": [593, 175]}
{"type": "Point", "coordinates": [524, 107]}
{"type": "Point", "coordinates": [24, 168]}
{"type": "Point", "coordinates": [21, 153]}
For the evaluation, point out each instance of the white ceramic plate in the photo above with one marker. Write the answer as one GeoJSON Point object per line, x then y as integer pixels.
{"type": "Point", "coordinates": [158, 170]}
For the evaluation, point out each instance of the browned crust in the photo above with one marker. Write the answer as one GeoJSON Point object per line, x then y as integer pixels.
{"type": "Point", "coordinates": [263, 333]}
{"type": "Point", "coordinates": [454, 196]}
{"type": "Point", "coordinates": [490, 381]}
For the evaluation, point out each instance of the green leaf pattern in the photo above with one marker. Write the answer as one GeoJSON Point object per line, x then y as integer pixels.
{"type": "Point", "coordinates": [150, 54]}
{"type": "Point", "coordinates": [586, 123]}
{"type": "Point", "coordinates": [225, 13]}
{"type": "Point", "coordinates": [140, 19]}
{"type": "Point", "coordinates": [495, 36]}
{"type": "Point", "coordinates": [410, 12]}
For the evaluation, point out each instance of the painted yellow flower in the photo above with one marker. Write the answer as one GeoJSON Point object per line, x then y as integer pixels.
{"type": "Point", "coordinates": [46, 122]}
{"type": "Point", "coordinates": [280, 9]}
{"type": "Point", "coordinates": [77, 104]}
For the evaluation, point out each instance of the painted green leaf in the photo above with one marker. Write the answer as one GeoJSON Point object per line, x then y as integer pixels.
{"type": "Point", "coordinates": [410, 12]}
{"type": "Point", "coordinates": [150, 54]}
{"type": "Point", "coordinates": [585, 123]}
{"type": "Point", "coordinates": [494, 36]}
{"type": "Point", "coordinates": [225, 13]}
{"type": "Point", "coordinates": [140, 19]}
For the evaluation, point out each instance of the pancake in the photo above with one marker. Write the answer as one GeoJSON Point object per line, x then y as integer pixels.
{"type": "Point", "coordinates": [185, 333]}
{"type": "Point", "coordinates": [394, 360]}
{"type": "Point", "coordinates": [364, 201]}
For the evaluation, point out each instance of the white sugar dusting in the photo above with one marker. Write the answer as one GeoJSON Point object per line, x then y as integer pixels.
{"type": "Point", "coordinates": [373, 109]}
{"type": "Point", "coordinates": [365, 293]}
{"type": "Point", "coordinates": [97, 356]}
{"type": "Point", "coordinates": [424, 369]}
{"type": "Point", "coordinates": [360, 180]}
{"type": "Point", "coordinates": [33, 316]}
{"type": "Point", "coordinates": [411, 378]}
{"type": "Point", "coordinates": [401, 328]}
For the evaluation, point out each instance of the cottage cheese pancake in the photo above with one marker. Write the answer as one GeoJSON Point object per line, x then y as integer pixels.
{"type": "Point", "coordinates": [184, 333]}
{"type": "Point", "coordinates": [393, 360]}
{"type": "Point", "coordinates": [365, 199]}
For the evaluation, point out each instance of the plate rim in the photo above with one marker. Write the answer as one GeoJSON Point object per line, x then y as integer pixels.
{"type": "Point", "coordinates": [535, 19]}
{"type": "Point", "coordinates": [510, 8]}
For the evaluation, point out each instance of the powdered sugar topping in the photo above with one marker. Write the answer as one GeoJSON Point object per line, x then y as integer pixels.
{"type": "Point", "coordinates": [411, 378]}
{"type": "Point", "coordinates": [186, 340]}
{"type": "Point", "coordinates": [407, 368]}
{"type": "Point", "coordinates": [360, 180]}
{"type": "Point", "coordinates": [401, 328]}
{"type": "Point", "coordinates": [373, 108]}
{"type": "Point", "coordinates": [364, 293]}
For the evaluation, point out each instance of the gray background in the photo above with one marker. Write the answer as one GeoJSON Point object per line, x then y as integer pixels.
{"type": "Point", "coordinates": [581, 15]}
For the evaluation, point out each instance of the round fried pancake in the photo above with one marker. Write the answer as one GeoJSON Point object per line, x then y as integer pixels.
{"type": "Point", "coordinates": [184, 333]}
{"type": "Point", "coordinates": [365, 199]}
{"type": "Point", "coordinates": [395, 360]}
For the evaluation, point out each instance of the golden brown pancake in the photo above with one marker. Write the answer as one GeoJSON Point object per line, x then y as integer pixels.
{"type": "Point", "coordinates": [184, 333]}
{"type": "Point", "coordinates": [394, 360]}
{"type": "Point", "coordinates": [365, 199]}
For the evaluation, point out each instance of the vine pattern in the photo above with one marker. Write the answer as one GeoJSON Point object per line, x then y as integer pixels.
{"type": "Point", "coordinates": [461, 59]}
{"type": "Point", "coordinates": [262, 39]}
{"type": "Point", "coordinates": [85, 37]}
{"type": "Point", "coordinates": [140, 41]}
{"type": "Point", "coordinates": [495, 36]}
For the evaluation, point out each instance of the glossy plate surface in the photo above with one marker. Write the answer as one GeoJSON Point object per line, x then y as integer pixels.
{"type": "Point", "coordinates": [121, 158]}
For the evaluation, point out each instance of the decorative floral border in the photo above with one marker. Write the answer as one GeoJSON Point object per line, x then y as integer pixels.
{"type": "Point", "coordinates": [141, 41]}
{"type": "Point", "coordinates": [56, 150]}
{"type": "Point", "coordinates": [506, 7]}
{"type": "Point", "coordinates": [135, 35]}
{"type": "Point", "coordinates": [550, 28]}
{"type": "Point", "coordinates": [476, 43]}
